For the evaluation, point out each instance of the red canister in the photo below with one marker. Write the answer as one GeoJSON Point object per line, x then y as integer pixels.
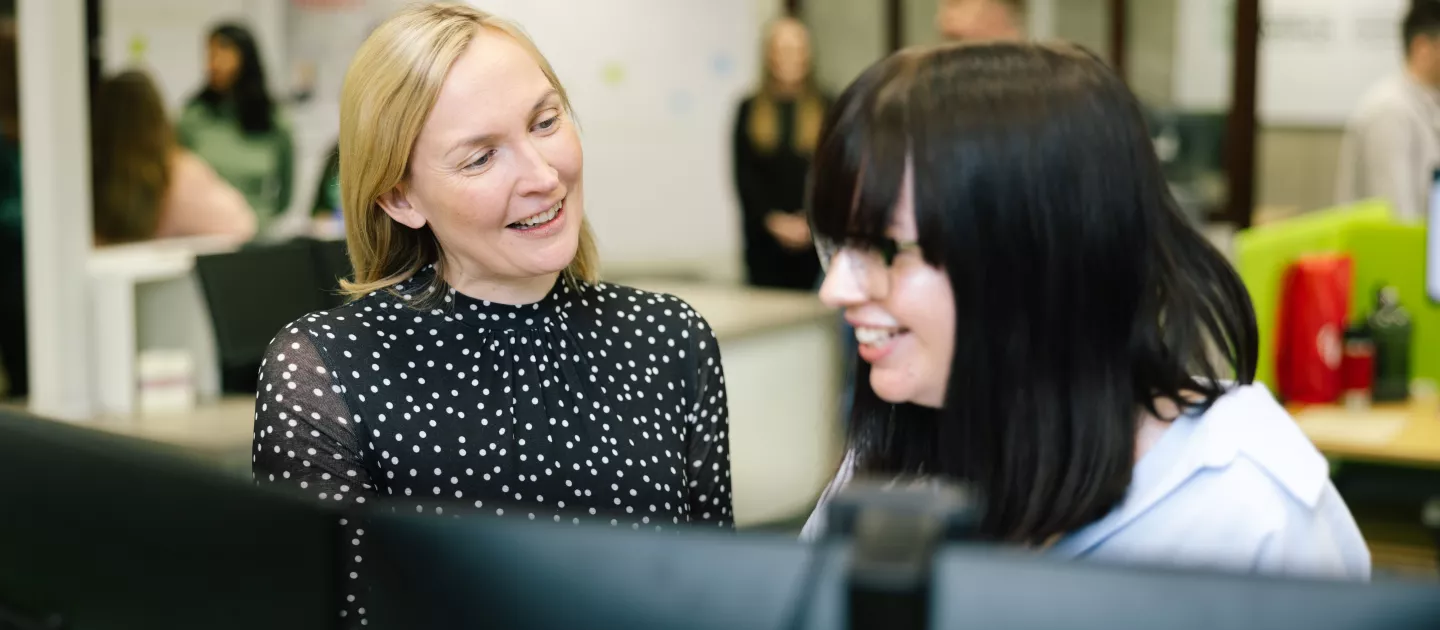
{"type": "Point", "coordinates": [1314, 307]}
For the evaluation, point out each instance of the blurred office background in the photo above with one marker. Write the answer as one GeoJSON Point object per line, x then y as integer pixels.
{"type": "Point", "coordinates": [155, 338]}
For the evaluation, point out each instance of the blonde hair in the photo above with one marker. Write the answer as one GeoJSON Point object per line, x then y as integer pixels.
{"type": "Point", "coordinates": [389, 90]}
{"type": "Point", "coordinates": [764, 123]}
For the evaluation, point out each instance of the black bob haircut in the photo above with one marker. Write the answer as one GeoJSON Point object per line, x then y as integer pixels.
{"type": "Point", "coordinates": [253, 106]}
{"type": "Point", "coordinates": [1083, 296]}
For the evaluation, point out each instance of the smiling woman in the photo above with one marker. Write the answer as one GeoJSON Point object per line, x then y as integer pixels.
{"type": "Point", "coordinates": [1037, 319]}
{"type": "Point", "coordinates": [481, 366]}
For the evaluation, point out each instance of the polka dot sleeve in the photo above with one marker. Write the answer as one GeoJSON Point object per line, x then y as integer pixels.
{"type": "Point", "coordinates": [308, 441]}
{"type": "Point", "coordinates": [708, 432]}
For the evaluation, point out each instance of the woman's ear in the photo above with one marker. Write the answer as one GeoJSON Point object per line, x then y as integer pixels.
{"type": "Point", "coordinates": [396, 203]}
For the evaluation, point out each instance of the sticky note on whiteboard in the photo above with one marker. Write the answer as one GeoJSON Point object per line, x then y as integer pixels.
{"type": "Point", "coordinates": [139, 45]}
{"type": "Point", "coordinates": [613, 73]}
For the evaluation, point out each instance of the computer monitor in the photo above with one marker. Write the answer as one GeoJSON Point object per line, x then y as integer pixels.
{"type": "Point", "coordinates": [533, 576]}
{"type": "Point", "coordinates": [99, 531]}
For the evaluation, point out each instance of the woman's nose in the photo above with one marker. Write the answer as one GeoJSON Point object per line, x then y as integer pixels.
{"type": "Point", "coordinates": [539, 177]}
{"type": "Point", "coordinates": [842, 286]}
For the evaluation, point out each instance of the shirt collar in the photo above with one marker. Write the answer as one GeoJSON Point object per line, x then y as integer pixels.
{"type": "Point", "coordinates": [1247, 422]}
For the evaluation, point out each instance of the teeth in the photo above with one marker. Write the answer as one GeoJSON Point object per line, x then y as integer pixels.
{"type": "Point", "coordinates": [874, 336]}
{"type": "Point", "coordinates": [542, 217]}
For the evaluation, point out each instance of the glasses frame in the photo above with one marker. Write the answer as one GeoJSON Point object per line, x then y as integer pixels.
{"type": "Point", "coordinates": [869, 262]}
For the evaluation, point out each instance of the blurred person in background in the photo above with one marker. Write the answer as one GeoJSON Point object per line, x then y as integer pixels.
{"type": "Point", "coordinates": [326, 204]}
{"type": "Point", "coordinates": [775, 132]}
{"type": "Point", "coordinates": [1038, 320]}
{"type": "Point", "coordinates": [146, 186]}
{"type": "Point", "coordinates": [982, 20]}
{"type": "Point", "coordinates": [1391, 146]}
{"type": "Point", "coordinates": [234, 125]}
{"type": "Point", "coordinates": [13, 343]}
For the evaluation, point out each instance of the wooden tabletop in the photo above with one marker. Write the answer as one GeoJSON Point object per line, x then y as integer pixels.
{"type": "Point", "coordinates": [219, 427]}
{"type": "Point", "coordinates": [1401, 434]}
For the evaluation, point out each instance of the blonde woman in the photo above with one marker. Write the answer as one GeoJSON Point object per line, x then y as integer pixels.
{"type": "Point", "coordinates": [775, 132]}
{"type": "Point", "coordinates": [480, 366]}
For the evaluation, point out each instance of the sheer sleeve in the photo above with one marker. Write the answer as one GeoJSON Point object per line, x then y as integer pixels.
{"type": "Point", "coordinates": [708, 432]}
{"type": "Point", "coordinates": [306, 440]}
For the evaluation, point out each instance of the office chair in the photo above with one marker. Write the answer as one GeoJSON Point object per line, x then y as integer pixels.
{"type": "Point", "coordinates": [253, 293]}
{"type": "Point", "coordinates": [332, 264]}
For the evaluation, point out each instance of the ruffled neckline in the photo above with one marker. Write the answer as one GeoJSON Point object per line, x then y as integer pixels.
{"type": "Point", "coordinates": [485, 314]}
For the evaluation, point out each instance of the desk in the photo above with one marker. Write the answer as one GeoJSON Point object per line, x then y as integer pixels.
{"type": "Point", "coordinates": [145, 296]}
{"type": "Point", "coordinates": [1385, 434]}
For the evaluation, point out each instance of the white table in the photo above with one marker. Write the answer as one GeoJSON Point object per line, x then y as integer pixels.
{"type": "Point", "coordinates": [146, 296]}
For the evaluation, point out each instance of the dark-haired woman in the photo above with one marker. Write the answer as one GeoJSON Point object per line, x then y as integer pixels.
{"type": "Point", "coordinates": [233, 125]}
{"type": "Point", "coordinates": [1037, 319]}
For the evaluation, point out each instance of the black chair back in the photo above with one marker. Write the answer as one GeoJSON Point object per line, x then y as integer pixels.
{"type": "Point", "coordinates": [254, 292]}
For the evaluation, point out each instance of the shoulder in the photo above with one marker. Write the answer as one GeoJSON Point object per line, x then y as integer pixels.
{"type": "Point", "coordinates": [191, 181]}
{"type": "Point", "coordinates": [742, 111]}
{"type": "Point", "coordinates": [185, 166]}
{"type": "Point", "coordinates": [1387, 102]}
{"type": "Point", "coordinates": [624, 306]}
{"type": "Point", "coordinates": [1250, 425]}
{"type": "Point", "coordinates": [1247, 491]}
{"type": "Point", "coordinates": [338, 328]}
{"type": "Point", "coordinates": [195, 110]}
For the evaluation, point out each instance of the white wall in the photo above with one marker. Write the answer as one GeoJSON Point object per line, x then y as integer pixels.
{"type": "Point", "coordinates": [1317, 57]}
{"type": "Point", "coordinates": [657, 142]}
{"type": "Point", "coordinates": [657, 139]}
{"type": "Point", "coordinates": [849, 36]}
{"type": "Point", "coordinates": [170, 35]}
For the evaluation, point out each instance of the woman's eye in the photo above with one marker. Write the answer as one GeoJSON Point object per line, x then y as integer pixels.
{"type": "Point", "coordinates": [482, 160]}
{"type": "Point", "coordinates": [547, 124]}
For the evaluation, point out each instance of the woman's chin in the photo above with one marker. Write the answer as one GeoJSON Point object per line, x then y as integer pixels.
{"type": "Point", "coordinates": [554, 258]}
{"type": "Point", "coordinates": [889, 389]}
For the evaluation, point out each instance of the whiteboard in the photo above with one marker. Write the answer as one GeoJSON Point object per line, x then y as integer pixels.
{"type": "Point", "coordinates": [655, 84]}
{"type": "Point", "coordinates": [1318, 58]}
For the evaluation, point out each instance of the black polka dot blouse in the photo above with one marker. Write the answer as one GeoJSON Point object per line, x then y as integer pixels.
{"type": "Point", "coordinates": [598, 403]}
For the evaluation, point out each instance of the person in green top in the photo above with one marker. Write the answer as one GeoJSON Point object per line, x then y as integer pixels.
{"type": "Point", "coordinates": [327, 192]}
{"type": "Point", "coordinates": [233, 124]}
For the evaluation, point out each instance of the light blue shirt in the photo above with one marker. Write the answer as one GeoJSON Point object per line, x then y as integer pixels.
{"type": "Point", "coordinates": [1238, 488]}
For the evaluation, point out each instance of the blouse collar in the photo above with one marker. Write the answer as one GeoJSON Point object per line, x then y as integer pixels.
{"type": "Point", "coordinates": [484, 314]}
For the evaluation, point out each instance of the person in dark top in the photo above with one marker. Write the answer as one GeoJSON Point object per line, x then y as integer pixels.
{"type": "Point", "coordinates": [14, 347]}
{"type": "Point", "coordinates": [775, 133]}
{"type": "Point", "coordinates": [481, 366]}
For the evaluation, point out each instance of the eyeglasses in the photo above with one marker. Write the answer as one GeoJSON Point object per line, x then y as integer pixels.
{"type": "Point", "coordinates": [869, 265]}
